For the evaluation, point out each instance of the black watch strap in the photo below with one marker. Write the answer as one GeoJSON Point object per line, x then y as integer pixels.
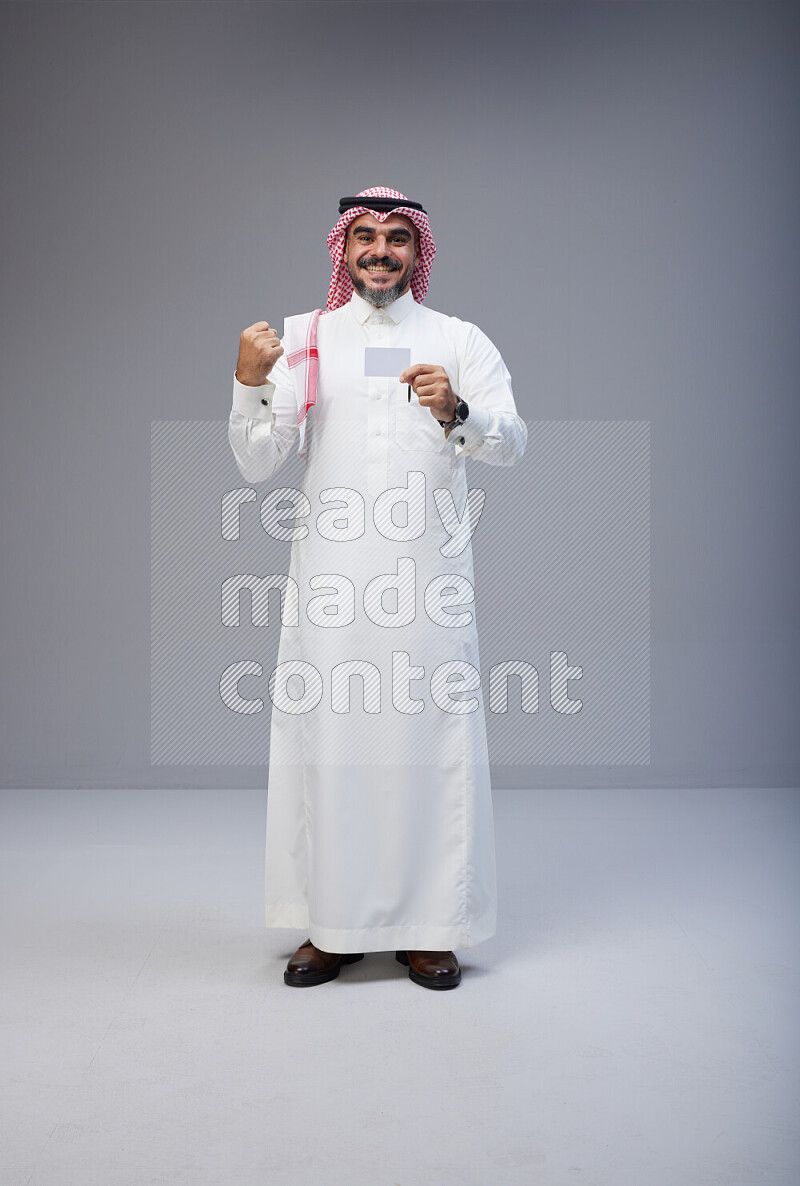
{"type": "Point", "coordinates": [459, 419]}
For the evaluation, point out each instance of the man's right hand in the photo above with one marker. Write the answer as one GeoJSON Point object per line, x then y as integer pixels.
{"type": "Point", "coordinates": [259, 350]}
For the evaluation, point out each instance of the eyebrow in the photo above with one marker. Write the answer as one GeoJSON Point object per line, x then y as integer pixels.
{"type": "Point", "coordinates": [400, 230]}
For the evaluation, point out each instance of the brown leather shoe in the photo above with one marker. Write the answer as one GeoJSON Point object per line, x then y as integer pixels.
{"type": "Point", "coordinates": [431, 969]}
{"type": "Point", "coordinates": [309, 965]}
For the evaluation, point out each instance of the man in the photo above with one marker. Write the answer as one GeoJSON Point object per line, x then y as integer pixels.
{"type": "Point", "coordinates": [379, 815]}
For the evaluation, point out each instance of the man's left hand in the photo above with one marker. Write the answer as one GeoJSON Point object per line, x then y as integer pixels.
{"type": "Point", "coordinates": [433, 389]}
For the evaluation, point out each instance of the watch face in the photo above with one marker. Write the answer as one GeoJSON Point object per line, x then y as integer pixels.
{"type": "Point", "coordinates": [462, 411]}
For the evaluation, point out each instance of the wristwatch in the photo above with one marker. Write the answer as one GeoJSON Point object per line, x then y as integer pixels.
{"type": "Point", "coordinates": [462, 411]}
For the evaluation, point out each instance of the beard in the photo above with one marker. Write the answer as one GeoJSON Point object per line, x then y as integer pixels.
{"type": "Point", "coordinates": [378, 298]}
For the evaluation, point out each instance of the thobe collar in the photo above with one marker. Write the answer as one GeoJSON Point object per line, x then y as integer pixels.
{"type": "Point", "coordinates": [396, 312]}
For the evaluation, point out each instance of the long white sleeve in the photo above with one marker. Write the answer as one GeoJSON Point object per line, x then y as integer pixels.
{"type": "Point", "coordinates": [262, 427]}
{"type": "Point", "coordinates": [493, 432]}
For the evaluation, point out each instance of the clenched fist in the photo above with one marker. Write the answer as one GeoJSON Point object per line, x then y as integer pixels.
{"type": "Point", "coordinates": [259, 350]}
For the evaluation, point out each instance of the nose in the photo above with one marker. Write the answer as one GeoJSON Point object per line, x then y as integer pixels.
{"type": "Point", "coordinates": [381, 245]}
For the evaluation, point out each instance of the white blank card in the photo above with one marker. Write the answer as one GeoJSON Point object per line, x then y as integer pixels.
{"type": "Point", "coordinates": [385, 361]}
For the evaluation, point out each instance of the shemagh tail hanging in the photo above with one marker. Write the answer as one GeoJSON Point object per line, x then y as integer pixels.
{"type": "Point", "coordinates": [300, 332]}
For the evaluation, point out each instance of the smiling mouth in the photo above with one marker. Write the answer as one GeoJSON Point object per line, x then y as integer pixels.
{"type": "Point", "coordinates": [379, 269]}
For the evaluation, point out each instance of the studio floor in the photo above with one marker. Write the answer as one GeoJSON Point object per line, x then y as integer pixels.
{"type": "Point", "coordinates": [634, 1022]}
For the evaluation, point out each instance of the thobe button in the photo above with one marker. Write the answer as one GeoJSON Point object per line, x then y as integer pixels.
{"type": "Point", "coordinates": [461, 440]}
{"type": "Point", "coordinates": [265, 402]}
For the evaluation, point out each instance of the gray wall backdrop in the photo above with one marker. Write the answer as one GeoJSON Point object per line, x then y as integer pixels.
{"type": "Point", "coordinates": [613, 191]}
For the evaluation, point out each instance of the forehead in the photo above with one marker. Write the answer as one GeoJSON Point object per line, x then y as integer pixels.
{"type": "Point", "coordinates": [393, 223]}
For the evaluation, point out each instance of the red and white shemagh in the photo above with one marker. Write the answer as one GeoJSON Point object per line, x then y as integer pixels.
{"type": "Point", "coordinates": [341, 286]}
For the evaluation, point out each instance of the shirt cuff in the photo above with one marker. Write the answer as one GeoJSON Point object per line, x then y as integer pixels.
{"type": "Point", "coordinates": [468, 436]}
{"type": "Point", "coordinates": [253, 402]}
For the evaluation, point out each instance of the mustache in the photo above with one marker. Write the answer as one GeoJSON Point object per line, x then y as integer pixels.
{"type": "Point", "coordinates": [373, 261]}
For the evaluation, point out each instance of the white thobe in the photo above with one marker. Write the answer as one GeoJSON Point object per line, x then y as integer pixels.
{"type": "Point", "coordinates": [380, 830]}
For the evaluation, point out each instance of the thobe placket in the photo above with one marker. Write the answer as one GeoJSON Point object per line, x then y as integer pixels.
{"type": "Point", "coordinates": [377, 329]}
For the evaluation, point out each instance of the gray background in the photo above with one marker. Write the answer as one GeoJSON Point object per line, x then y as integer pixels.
{"type": "Point", "coordinates": [613, 193]}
